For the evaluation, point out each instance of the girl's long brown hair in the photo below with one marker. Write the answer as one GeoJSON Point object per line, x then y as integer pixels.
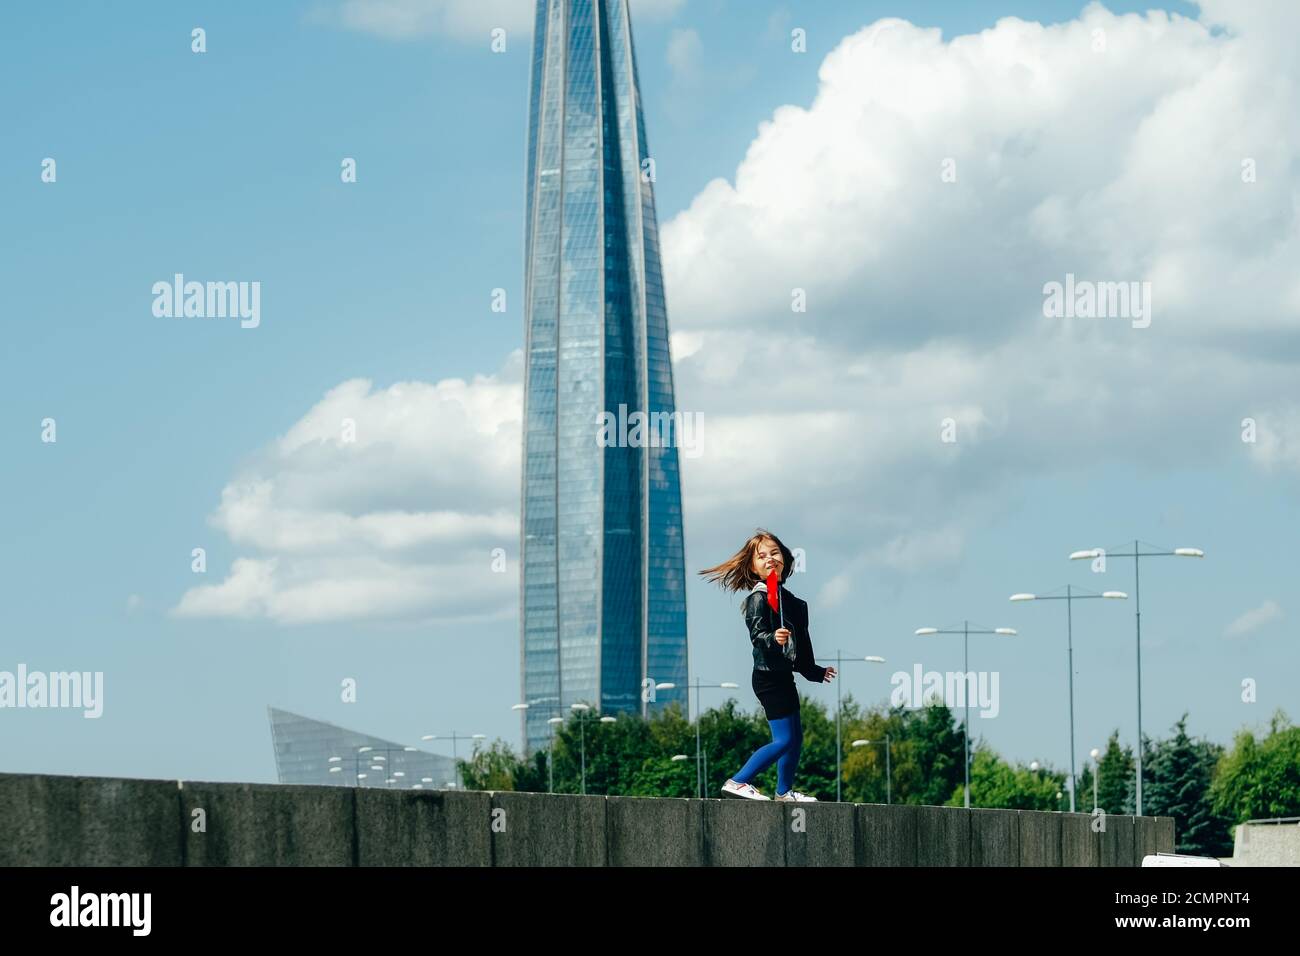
{"type": "Point", "coordinates": [737, 572]}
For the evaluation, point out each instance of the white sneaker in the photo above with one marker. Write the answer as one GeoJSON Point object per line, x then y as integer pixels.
{"type": "Point", "coordinates": [747, 790]}
{"type": "Point", "coordinates": [794, 796]}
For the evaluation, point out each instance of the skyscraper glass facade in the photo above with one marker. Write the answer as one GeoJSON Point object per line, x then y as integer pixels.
{"type": "Point", "coordinates": [603, 601]}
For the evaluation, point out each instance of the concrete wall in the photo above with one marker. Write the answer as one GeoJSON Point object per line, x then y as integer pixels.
{"type": "Point", "coordinates": [101, 821]}
{"type": "Point", "coordinates": [1266, 844]}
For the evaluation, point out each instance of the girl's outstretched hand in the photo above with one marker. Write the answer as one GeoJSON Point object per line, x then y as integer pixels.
{"type": "Point", "coordinates": [830, 675]}
{"type": "Point", "coordinates": [782, 635]}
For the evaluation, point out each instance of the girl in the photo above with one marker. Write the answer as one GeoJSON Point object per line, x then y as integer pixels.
{"type": "Point", "coordinates": [778, 653]}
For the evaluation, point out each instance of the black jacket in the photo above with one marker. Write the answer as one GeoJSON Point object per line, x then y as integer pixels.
{"type": "Point", "coordinates": [763, 623]}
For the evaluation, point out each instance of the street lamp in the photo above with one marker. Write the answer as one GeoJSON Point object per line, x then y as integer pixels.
{"type": "Point", "coordinates": [965, 632]}
{"type": "Point", "coordinates": [1137, 554]}
{"type": "Point", "coordinates": [453, 737]}
{"type": "Point", "coordinates": [1069, 597]}
{"type": "Point", "coordinates": [357, 775]}
{"type": "Point", "coordinates": [840, 660]}
{"type": "Point", "coordinates": [550, 746]}
{"type": "Point", "coordinates": [889, 787]}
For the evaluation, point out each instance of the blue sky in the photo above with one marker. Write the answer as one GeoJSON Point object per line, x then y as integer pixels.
{"type": "Point", "coordinates": [225, 166]}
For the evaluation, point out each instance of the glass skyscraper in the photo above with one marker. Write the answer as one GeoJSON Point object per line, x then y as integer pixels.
{"type": "Point", "coordinates": [603, 599]}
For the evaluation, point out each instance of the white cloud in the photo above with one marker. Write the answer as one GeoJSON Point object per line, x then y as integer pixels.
{"type": "Point", "coordinates": [1252, 620]}
{"type": "Point", "coordinates": [925, 297]}
{"type": "Point", "coordinates": [400, 523]}
{"type": "Point", "coordinates": [857, 438]}
{"type": "Point", "coordinates": [1115, 165]}
{"type": "Point", "coordinates": [244, 593]}
{"type": "Point", "coordinates": [311, 590]}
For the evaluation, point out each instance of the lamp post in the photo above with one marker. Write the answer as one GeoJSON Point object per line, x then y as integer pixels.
{"type": "Point", "coordinates": [552, 723]}
{"type": "Point", "coordinates": [402, 773]}
{"type": "Point", "coordinates": [965, 631]}
{"type": "Point", "coordinates": [356, 762]}
{"type": "Point", "coordinates": [608, 720]}
{"type": "Point", "coordinates": [1096, 772]}
{"type": "Point", "coordinates": [1069, 597]}
{"type": "Point", "coordinates": [840, 661]}
{"type": "Point", "coordinates": [582, 726]}
{"type": "Point", "coordinates": [357, 775]}
{"type": "Point", "coordinates": [550, 746]}
{"type": "Point", "coordinates": [1137, 554]}
{"type": "Point", "coordinates": [453, 737]}
{"type": "Point", "coordinates": [889, 788]}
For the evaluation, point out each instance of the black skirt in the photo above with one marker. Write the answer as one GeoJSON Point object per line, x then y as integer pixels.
{"type": "Point", "coordinates": [775, 691]}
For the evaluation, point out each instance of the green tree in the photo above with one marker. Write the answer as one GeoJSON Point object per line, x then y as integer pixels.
{"type": "Point", "coordinates": [1176, 784]}
{"type": "Point", "coordinates": [532, 776]}
{"type": "Point", "coordinates": [1260, 779]}
{"type": "Point", "coordinates": [490, 768]}
{"type": "Point", "coordinates": [867, 774]}
{"type": "Point", "coordinates": [1083, 799]}
{"type": "Point", "coordinates": [933, 741]}
{"type": "Point", "coordinates": [613, 751]}
{"type": "Point", "coordinates": [1115, 775]}
{"type": "Point", "coordinates": [925, 749]}
{"type": "Point", "coordinates": [664, 777]}
{"type": "Point", "coordinates": [634, 757]}
{"type": "Point", "coordinates": [995, 783]}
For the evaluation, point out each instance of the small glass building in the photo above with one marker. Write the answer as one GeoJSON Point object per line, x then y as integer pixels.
{"type": "Point", "coordinates": [315, 752]}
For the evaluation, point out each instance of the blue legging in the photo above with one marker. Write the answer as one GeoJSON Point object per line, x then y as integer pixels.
{"type": "Point", "coordinates": [787, 741]}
